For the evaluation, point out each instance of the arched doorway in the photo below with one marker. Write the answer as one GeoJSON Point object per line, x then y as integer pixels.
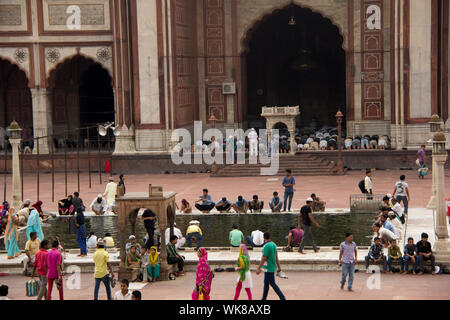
{"type": "Point", "coordinates": [82, 96]}
{"type": "Point", "coordinates": [15, 97]}
{"type": "Point", "coordinates": [295, 57]}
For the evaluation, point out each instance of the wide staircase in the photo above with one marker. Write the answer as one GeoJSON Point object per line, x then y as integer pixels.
{"type": "Point", "coordinates": [300, 164]}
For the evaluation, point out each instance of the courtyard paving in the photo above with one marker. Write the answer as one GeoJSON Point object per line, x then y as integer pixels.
{"type": "Point", "coordinates": [335, 190]}
{"type": "Point", "coordinates": [299, 286]}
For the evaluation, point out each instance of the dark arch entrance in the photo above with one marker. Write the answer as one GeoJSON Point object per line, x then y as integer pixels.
{"type": "Point", "coordinates": [82, 96]}
{"type": "Point", "coordinates": [296, 64]}
{"type": "Point", "coordinates": [15, 97]}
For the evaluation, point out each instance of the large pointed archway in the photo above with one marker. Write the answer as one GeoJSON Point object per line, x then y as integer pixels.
{"type": "Point", "coordinates": [295, 56]}
{"type": "Point", "coordinates": [15, 97]}
{"type": "Point", "coordinates": [82, 96]}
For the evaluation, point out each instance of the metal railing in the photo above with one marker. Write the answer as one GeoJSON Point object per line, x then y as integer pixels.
{"type": "Point", "coordinates": [80, 142]}
{"type": "Point", "coordinates": [365, 203]}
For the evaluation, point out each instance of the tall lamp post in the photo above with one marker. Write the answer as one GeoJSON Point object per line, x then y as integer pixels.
{"type": "Point", "coordinates": [213, 120]}
{"type": "Point", "coordinates": [442, 244]}
{"type": "Point", "coordinates": [435, 127]}
{"type": "Point", "coordinates": [340, 162]}
{"type": "Point", "coordinates": [15, 139]}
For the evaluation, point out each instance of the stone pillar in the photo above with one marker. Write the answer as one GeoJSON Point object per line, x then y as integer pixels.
{"type": "Point", "coordinates": [432, 203]}
{"type": "Point", "coordinates": [15, 133]}
{"type": "Point", "coordinates": [442, 244]}
{"type": "Point", "coordinates": [42, 118]}
{"type": "Point", "coordinates": [293, 144]}
{"type": "Point", "coordinates": [125, 141]}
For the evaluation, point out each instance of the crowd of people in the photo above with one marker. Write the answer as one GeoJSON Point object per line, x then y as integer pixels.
{"type": "Point", "coordinates": [205, 203]}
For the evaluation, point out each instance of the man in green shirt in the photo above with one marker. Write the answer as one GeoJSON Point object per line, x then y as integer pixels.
{"type": "Point", "coordinates": [236, 237]}
{"type": "Point", "coordinates": [271, 263]}
{"type": "Point", "coordinates": [394, 253]}
{"type": "Point", "coordinates": [173, 257]}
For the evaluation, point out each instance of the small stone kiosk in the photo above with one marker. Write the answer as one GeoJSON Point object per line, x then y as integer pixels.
{"type": "Point", "coordinates": [285, 115]}
{"type": "Point", "coordinates": [162, 204]}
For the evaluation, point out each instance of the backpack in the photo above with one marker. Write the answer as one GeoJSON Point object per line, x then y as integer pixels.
{"type": "Point", "coordinates": [362, 186]}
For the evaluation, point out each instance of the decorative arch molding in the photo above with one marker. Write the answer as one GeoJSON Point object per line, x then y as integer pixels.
{"type": "Point", "coordinates": [55, 57]}
{"type": "Point", "coordinates": [245, 34]}
{"type": "Point", "coordinates": [20, 57]}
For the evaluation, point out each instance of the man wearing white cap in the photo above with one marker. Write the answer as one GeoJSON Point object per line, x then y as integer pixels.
{"type": "Point", "coordinates": [98, 205]}
{"type": "Point", "coordinates": [110, 194]}
{"type": "Point", "coordinates": [133, 242]}
{"type": "Point", "coordinates": [181, 240]}
{"type": "Point", "coordinates": [304, 220]}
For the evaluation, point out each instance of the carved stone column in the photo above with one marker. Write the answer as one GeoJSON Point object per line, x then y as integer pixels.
{"type": "Point", "coordinates": [42, 118]}
{"type": "Point", "coordinates": [15, 140]}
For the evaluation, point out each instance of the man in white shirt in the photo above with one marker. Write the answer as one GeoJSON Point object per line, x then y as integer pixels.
{"type": "Point", "coordinates": [256, 239]}
{"type": "Point", "coordinates": [177, 232]}
{"type": "Point", "coordinates": [384, 234]}
{"type": "Point", "coordinates": [98, 205]}
{"type": "Point", "coordinates": [402, 191]}
{"type": "Point", "coordinates": [110, 194]}
{"type": "Point", "coordinates": [124, 293]}
{"type": "Point", "coordinates": [92, 241]}
{"type": "Point", "coordinates": [368, 182]}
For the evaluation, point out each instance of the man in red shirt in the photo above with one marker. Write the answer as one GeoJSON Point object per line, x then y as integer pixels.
{"type": "Point", "coordinates": [54, 272]}
{"type": "Point", "coordinates": [39, 264]}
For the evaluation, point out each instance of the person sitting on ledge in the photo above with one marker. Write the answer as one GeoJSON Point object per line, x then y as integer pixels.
{"type": "Point", "coordinates": [276, 203]}
{"type": "Point", "coordinates": [130, 244]}
{"type": "Point", "coordinates": [98, 205]}
{"type": "Point", "coordinates": [109, 242]}
{"type": "Point", "coordinates": [236, 237]}
{"type": "Point", "coordinates": [317, 205]}
{"type": "Point", "coordinates": [384, 234]}
{"type": "Point", "coordinates": [241, 205]}
{"type": "Point", "coordinates": [133, 263]}
{"type": "Point", "coordinates": [194, 231]}
{"type": "Point", "coordinates": [206, 202]}
{"type": "Point", "coordinates": [256, 205]}
{"type": "Point", "coordinates": [65, 206]}
{"type": "Point", "coordinates": [294, 238]}
{"type": "Point", "coordinates": [424, 253]}
{"type": "Point", "coordinates": [256, 239]}
{"type": "Point", "coordinates": [376, 255]}
{"type": "Point", "coordinates": [185, 206]}
{"type": "Point", "coordinates": [173, 257]}
{"type": "Point", "coordinates": [224, 205]}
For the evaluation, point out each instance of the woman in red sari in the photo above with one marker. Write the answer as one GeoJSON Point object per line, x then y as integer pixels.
{"type": "Point", "coordinates": [204, 277]}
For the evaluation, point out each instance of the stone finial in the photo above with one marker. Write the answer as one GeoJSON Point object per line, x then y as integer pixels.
{"type": "Point", "coordinates": [435, 119]}
{"type": "Point", "coordinates": [439, 137]}
{"type": "Point", "coordinates": [14, 125]}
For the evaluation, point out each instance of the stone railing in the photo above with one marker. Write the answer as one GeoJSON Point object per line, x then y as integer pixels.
{"type": "Point", "coordinates": [288, 110]}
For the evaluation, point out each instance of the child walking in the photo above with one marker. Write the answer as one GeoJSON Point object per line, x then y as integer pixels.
{"type": "Point", "coordinates": [245, 276]}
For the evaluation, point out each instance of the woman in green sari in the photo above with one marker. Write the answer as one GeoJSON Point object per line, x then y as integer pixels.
{"type": "Point", "coordinates": [11, 235]}
{"type": "Point", "coordinates": [245, 276]}
{"type": "Point", "coordinates": [133, 263]}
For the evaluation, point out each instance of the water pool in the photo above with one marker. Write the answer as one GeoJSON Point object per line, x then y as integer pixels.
{"type": "Point", "coordinates": [217, 227]}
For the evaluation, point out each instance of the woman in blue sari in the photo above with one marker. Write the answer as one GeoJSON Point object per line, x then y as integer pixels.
{"type": "Point", "coordinates": [11, 235]}
{"type": "Point", "coordinates": [34, 225]}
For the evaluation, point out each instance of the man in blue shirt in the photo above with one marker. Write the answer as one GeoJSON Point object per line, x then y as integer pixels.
{"type": "Point", "coordinates": [224, 205]}
{"type": "Point", "coordinates": [288, 184]}
{"type": "Point", "coordinates": [206, 202]}
{"type": "Point", "coordinates": [386, 224]}
{"type": "Point", "coordinates": [241, 205]}
{"type": "Point", "coordinates": [276, 203]}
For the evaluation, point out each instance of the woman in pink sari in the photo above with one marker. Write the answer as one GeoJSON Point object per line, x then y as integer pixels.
{"type": "Point", "coordinates": [204, 277]}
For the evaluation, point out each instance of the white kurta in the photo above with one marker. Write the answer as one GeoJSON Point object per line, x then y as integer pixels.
{"type": "Point", "coordinates": [110, 193]}
{"type": "Point", "coordinates": [248, 282]}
